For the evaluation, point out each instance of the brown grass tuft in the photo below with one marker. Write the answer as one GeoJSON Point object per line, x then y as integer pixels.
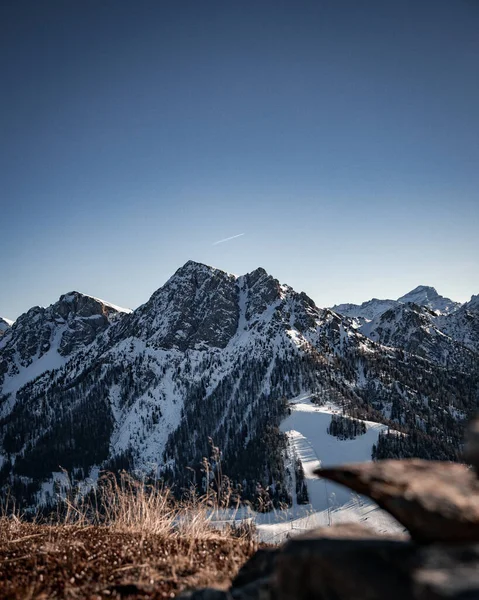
{"type": "Point", "coordinates": [126, 539]}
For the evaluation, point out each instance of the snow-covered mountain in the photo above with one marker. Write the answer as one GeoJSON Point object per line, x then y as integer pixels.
{"type": "Point", "coordinates": [421, 322]}
{"type": "Point", "coordinates": [427, 296]}
{"type": "Point", "coordinates": [422, 296]}
{"type": "Point", "coordinates": [210, 355]}
{"type": "Point", "coordinates": [366, 311]}
{"type": "Point", "coordinates": [5, 325]}
{"type": "Point", "coordinates": [463, 324]}
{"type": "Point", "coordinates": [43, 339]}
{"type": "Point", "coordinates": [420, 331]}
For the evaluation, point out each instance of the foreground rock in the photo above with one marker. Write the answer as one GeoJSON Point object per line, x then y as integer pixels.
{"type": "Point", "coordinates": [352, 562]}
{"type": "Point", "coordinates": [435, 501]}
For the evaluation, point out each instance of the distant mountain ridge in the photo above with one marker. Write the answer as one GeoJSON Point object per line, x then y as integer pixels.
{"type": "Point", "coordinates": [413, 320]}
{"type": "Point", "coordinates": [422, 295]}
{"type": "Point", "coordinates": [86, 386]}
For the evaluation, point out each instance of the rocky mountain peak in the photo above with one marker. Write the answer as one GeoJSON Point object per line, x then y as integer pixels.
{"type": "Point", "coordinates": [76, 304]}
{"type": "Point", "coordinates": [192, 268]}
{"type": "Point", "coordinates": [428, 296]}
{"type": "Point", "coordinates": [421, 291]}
{"type": "Point", "coordinates": [209, 354]}
{"type": "Point", "coordinates": [73, 322]}
{"type": "Point", "coordinates": [5, 325]}
{"type": "Point", "coordinates": [473, 303]}
{"type": "Point", "coordinates": [198, 305]}
{"type": "Point", "coordinates": [262, 290]}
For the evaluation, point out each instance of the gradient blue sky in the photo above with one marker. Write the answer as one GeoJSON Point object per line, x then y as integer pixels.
{"type": "Point", "coordinates": [340, 136]}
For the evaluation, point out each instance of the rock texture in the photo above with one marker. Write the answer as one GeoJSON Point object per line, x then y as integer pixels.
{"type": "Point", "coordinates": [5, 325]}
{"type": "Point", "coordinates": [435, 501]}
{"type": "Point", "coordinates": [421, 322]}
{"type": "Point", "coordinates": [352, 562]}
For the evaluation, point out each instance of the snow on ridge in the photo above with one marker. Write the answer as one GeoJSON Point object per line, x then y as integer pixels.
{"type": "Point", "coordinates": [114, 306]}
{"type": "Point", "coordinates": [7, 321]}
{"type": "Point", "coordinates": [71, 296]}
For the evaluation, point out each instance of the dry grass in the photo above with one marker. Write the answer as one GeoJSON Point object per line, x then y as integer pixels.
{"type": "Point", "coordinates": [127, 539]}
{"type": "Point", "coordinates": [73, 562]}
{"type": "Point", "coordinates": [128, 505]}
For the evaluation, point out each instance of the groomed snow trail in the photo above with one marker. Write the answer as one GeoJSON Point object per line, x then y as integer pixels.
{"type": "Point", "coordinates": [330, 503]}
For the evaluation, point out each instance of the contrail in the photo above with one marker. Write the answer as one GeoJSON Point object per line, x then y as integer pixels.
{"type": "Point", "coordinates": [228, 239]}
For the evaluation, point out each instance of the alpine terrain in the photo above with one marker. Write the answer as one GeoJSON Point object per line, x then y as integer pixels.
{"type": "Point", "coordinates": [243, 362]}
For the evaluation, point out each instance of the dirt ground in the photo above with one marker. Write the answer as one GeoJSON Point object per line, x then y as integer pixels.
{"type": "Point", "coordinates": [41, 561]}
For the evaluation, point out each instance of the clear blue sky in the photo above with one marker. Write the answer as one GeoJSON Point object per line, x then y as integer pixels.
{"type": "Point", "coordinates": [340, 136]}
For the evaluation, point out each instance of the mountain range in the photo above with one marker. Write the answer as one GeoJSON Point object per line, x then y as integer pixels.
{"type": "Point", "coordinates": [86, 385]}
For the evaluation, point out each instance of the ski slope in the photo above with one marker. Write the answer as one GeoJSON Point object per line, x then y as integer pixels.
{"type": "Point", "coordinates": [330, 503]}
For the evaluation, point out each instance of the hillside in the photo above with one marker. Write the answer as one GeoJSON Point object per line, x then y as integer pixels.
{"type": "Point", "coordinates": [86, 386]}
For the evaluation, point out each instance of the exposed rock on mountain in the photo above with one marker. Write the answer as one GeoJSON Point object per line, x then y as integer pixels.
{"type": "Point", "coordinates": [421, 322]}
{"type": "Point", "coordinates": [197, 307]}
{"type": "Point", "coordinates": [85, 386]}
{"type": "Point", "coordinates": [43, 338]}
{"type": "Point", "coordinates": [421, 296]}
{"type": "Point", "coordinates": [420, 331]}
{"type": "Point", "coordinates": [5, 325]}
{"type": "Point", "coordinates": [463, 324]}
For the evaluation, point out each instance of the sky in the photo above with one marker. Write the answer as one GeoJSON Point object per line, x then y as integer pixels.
{"type": "Point", "coordinates": [339, 137]}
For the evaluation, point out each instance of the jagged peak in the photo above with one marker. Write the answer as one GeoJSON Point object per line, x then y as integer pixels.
{"type": "Point", "coordinates": [75, 296]}
{"type": "Point", "coordinates": [256, 276]}
{"type": "Point", "coordinates": [429, 292]}
{"type": "Point", "coordinates": [5, 325]}
{"type": "Point", "coordinates": [473, 303]}
{"type": "Point", "coordinates": [258, 271]}
{"type": "Point", "coordinates": [193, 265]}
{"type": "Point", "coordinates": [70, 303]}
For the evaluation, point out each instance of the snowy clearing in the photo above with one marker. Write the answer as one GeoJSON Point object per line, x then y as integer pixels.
{"type": "Point", "coordinates": [330, 503]}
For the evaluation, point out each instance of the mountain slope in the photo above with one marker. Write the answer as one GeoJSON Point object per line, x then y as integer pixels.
{"type": "Point", "coordinates": [463, 324]}
{"type": "Point", "coordinates": [5, 325]}
{"type": "Point", "coordinates": [43, 338]}
{"type": "Point", "coordinates": [365, 311]}
{"type": "Point", "coordinates": [422, 332]}
{"type": "Point", "coordinates": [427, 296]}
{"type": "Point", "coordinates": [209, 355]}
{"type": "Point", "coordinates": [421, 322]}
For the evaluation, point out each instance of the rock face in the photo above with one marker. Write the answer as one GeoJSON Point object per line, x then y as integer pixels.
{"type": "Point", "coordinates": [416, 329]}
{"type": "Point", "coordinates": [5, 325]}
{"type": "Point", "coordinates": [196, 308]}
{"type": "Point", "coordinates": [435, 501]}
{"type": "Point", "coordinates": [72, 323]}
